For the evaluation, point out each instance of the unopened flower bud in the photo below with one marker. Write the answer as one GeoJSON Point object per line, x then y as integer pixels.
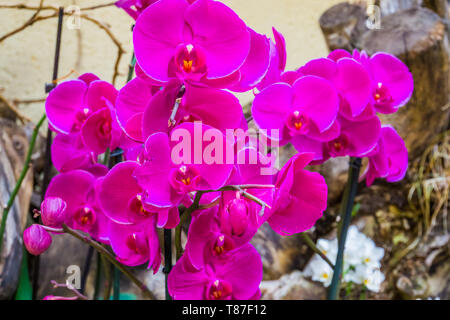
{"type": "Point", "coordinates": [238, 211]}
{"type": "Point", "coordinates": [36, 239]}
{"type": "Point", "coordinates": [53, 212]}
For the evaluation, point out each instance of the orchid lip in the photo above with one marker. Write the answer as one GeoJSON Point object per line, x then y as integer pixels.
{"type": "Point", "coordinates": [339, 147]}
{"type": "Point", "coordinates": [382, 94]}
{"type": "Point", "coordinates": [184, 178]}
{"type": "Point", "coordinates": [136, 242]}
{"type": "Point", "coordinates": [190, 61]}
{"type": "Point", "coordinates": [297, 123]}
{"type": "Point", "coordinates": [85, 217]}
{"type": "Point", "coordinates": [219, 290]}
{"type": "Point", "coordinates": [136, 208]}
{"type": "Point", "coordinates": [222, 245]}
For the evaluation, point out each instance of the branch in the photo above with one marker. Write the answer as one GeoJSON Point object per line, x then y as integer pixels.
{"type": "Point", "coordinates": [120, 50]}
{"type": "Point", "coordinates": [30, 21]}
{"type": "Point", "coordinates": [28, 101]}
{"type": "Point", "coordinates": [36, 18]}
{"type": "Point", "coordinates": [23, 118]}
{"type": "Point", "coordinates": [74, 290]}
{"type": "Point", "coordinates": [54, 8]}
{"type": "Point", "coordinates": [314, 248]}
{"type": "Point", "coordinates": [110, 4]}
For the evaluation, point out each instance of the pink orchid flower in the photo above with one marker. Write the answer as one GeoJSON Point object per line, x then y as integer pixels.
{"type": "Point", "coordinates": [301, 197]}
{"type": "Point", "coordinates": [234, 276]}
{"type": "Point", "coordinates": [277, 64]}
{"type": "Point", "coordinates": [78, 189]}
{"type": "Point", "coordinates": [173, 39]}
{"type": "Point", "coordinates": [308, 109]}
{"type": "Point", "coordinates": [389, 159]}
{"type": "Point", "coordinates": [181, 164]}
{"type": "Point", "coordinates": [136, 244]}
{"type": "Point", "coordinates": [198, 104]}
{"type": "Point", "coordinates": [121, 199]}
{"type": "Point", "coordinates": [392, 82]}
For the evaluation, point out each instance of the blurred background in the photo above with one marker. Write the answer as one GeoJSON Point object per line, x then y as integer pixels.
{"type": "Point", "coordinates": [408, 219]}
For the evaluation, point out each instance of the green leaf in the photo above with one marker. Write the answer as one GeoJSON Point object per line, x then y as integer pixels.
{"type": "Point", "coordinates": [25, 290]}
{"type": "Point", "coordinates": [355, 209]}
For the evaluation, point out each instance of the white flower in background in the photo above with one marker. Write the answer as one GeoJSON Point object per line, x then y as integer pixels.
{"type": "Point", "coordinates": [319, 270]}
{"type": "Point", "coordinates": [362, 261]}
{"type": "Point", "coordinates": [361, 249]}
{"type": "Point", "coordinates": [328, 248]}
{"type": "Point", "coordinates": [371, 278]}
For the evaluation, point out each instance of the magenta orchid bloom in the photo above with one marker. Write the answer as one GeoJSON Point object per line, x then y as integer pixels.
{"type": "Point", "coordinates": [306, 109]}
{"type": "Point", "coordinates": [73, 101]}
{"type": "Point", "coordinates": [277, 64]}
{"type": "Point", "coordinates": [168, 180]}
{"type": "Point", "coordinates": [389, 159]}
{"type": "Point", "coordinates": [233, 276]}
{"type": "Point", "coordinates": [132, 100]}
{"type": "Point", "coordinates": [77, 106]}
{"type": "Point", "coordinates": [176, 132]}
{"type": "Point", "coordinates": [136, 244]}
{"type": "Point", "coordinates": [301, 197]}
{"type": "Point", "coordinates": [207, 240]}
{"type": "Point", "coordinates": [392, 82]}
{"type": "Point", "coordinates": [351, 79]}
{"type": "Point", "coordinates": [256, 65]}
{"type": "Point", "coordinates": [356, 139]}
{"type": "Point", "coordinates": [173, 39]}
{"type": "Point", "coordinates": [173, 168]}
{"type": "Point", "coordinates": [120, 197]}
{"type": "Point", "coordinates": [68, 153]}
{"type": "Point", "coordinates": [198, 104]}
{"type": "Point", "coordinates": [78, 189]}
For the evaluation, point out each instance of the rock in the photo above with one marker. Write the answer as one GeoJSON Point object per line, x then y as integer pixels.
{"type": "Point", "coordinates": [64, 252]}
{"type": "Point", "coordinates": [391, 6]}
{"type": "Point", "coordinates": [441, 7]}
{"type": "Point", "coordinates": [341, 23]}
{"type": "Point", "coordinates": [280, 255]}
{"type": "Point", "coordinates": [293, 286]}
{"type": "Point", "coordinates": [155, 282]}
{"type": "Point", "coordinates": [334, 171]}
{"type": "Point", "coordinates": [13, 147]}
{"type": "Point", "coordinates": [417, 36]}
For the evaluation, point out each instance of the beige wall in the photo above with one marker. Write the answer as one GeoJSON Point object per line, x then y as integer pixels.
{"type": "Point", "coordinates": [26, 59]}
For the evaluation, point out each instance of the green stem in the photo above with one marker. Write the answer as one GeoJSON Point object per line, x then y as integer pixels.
{"type": "Point", "coordinates": [178, 246]}
{"type": "Point", "coordinates": [346, 217]}
{"type": "Point", "coordinates": [131, 68]}
{"type": "Point", "coordinates": [184, 216]}
{"type": "Point", "coordinates": [314, 248]}
{"type": "Point", "coordinates": [98, 274]}
{"type": "Point", "coordinates": [107, 271]}
{"type": "Point", "coordinates": [106, 156]}
{"type": "Point", "coordinates": [116, 284]}
{"type": "Point", "coordinates": [26, 166]}
{"type": "Point", "coordinates": [167, 258]}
